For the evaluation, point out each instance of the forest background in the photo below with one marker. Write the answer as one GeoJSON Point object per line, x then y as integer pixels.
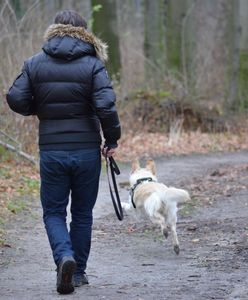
{"type": "Point", "coordinates": [180, 72]}
{"type": "Point", "coordinates": [179, 68]}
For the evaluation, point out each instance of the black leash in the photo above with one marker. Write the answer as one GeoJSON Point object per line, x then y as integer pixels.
{"type": "Point", "coordinates": [111, 164]}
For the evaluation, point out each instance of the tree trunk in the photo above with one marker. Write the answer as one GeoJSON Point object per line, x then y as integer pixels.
{"type": "Point", "coordinates": [243, 56]}
{"type": "Point", "coordinates": [212, 52]}
{"type": "Point", "coordinates": [236, 28]}
{"type": "Point", "coordinates": [131, 34]}
{"type": "Point", "coordinates": [105, 26]}
{"type": "Point", "coordinates": [176, 10]}
{"type": "Point", "coordinates": [83, 8]}
{"type": "Point", "coordinates": [155, 46]}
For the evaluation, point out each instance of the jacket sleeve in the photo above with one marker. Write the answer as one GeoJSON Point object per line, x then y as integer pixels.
{"type": "Point", "coordinates": [19, 96]}
{"type": "Point", "coordinates": [104, 103]}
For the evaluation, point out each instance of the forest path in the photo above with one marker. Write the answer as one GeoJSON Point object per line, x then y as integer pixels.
{"type": "Point", "coordinates": [130, 259]}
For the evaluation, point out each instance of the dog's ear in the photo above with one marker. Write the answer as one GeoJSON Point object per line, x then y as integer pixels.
{"type": "Point", "coordinates": [135, 165]}
{"type": "Point", "coordinates": [150, 165]}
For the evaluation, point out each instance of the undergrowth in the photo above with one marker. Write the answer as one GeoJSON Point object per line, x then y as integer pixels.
{"type": "Point", "coordinates": [19, 185]}
{"type": "Point", "coordinates": [157, 111]}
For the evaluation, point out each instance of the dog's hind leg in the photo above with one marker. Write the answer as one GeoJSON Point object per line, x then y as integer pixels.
{"type": "Point", "coordinates": [174, 239]}
{"type": "Point", "coordinates": [152, 207]}
{"type": "Point", "coordinates": [172, 222]}
{"type": "Point", "coordinates": [165, 231]}
{"type": "Point", "coordinates": [159, 219]}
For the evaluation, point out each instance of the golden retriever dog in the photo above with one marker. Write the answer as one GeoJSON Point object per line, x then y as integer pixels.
{"type": "Point", "coordinates": [155, 199]}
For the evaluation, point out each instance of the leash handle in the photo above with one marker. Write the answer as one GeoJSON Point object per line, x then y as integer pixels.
{"type": "Point", "coordinates": [110, 163]}
{"type": "Point", "coordinates": [114, 165]}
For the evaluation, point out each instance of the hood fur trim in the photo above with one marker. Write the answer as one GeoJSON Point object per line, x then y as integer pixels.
{"type": "Point", "coordinates": [81, 33]}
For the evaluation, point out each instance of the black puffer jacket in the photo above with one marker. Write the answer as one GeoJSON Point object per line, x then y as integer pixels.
{"type": "Point", "coordinates": [67, 87]}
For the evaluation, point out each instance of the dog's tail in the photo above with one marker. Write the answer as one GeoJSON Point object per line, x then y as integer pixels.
{"type": "Point", "coordinates": [177, 195]}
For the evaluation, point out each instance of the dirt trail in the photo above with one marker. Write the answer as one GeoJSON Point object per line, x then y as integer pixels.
{"type": "Point", "coordinates": [130, 259]}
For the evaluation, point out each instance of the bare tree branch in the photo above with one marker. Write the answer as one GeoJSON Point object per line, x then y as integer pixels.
{"type": "Point", "coordinates": [10, 138]}
{"type": "Point", "coordinates": [30, 158]}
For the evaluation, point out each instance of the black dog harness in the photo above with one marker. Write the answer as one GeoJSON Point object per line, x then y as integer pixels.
{"type": "Point", "coordinates": [139, 181]}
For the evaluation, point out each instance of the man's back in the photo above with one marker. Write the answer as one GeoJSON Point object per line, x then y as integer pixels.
{"type": "Point", "coordinates": [71, 91]}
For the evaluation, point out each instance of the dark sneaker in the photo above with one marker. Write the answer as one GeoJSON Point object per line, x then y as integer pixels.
{"type": "Point", "coordinates": [65, 271]}
{"type": "Point", "coordinates": [79, 279]}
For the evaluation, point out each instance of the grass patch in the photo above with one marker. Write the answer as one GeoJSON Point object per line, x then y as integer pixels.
{"type": "Point", "coordinates": [2, 221]}
{"type": "Point", "coordinates": [5, 173]}
{"type": "Point", "coordinates": [19, 183]}
{"type": "Point", "coordinates": [16, 206]}
{"type": "Point", "coordinates": [4, 154]}
{"type": "Point", "coordinates": [189, 208]}
{"type": "Point", "coordinates": [28, 186]}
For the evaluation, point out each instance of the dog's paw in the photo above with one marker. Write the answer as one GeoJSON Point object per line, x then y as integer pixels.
{"type": "Point", "coordinates": [165, 233]}
{"type": "Point", "coordinates": [177, 249]}
{"type": "Point", "coordinates": [125, 205]}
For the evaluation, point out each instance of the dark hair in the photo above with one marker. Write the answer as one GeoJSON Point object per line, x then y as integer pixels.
{"type": "Point", "coordinates": [70, 17]}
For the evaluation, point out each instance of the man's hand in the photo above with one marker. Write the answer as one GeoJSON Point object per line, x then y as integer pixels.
{"type": "Point", "coordinates": [108, 152]}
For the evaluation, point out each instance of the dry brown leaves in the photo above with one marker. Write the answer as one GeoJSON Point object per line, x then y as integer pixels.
{"type": "Point", "coordinates": [16, 180]}
{"type": "Point", "coordinates": [157, 144]}
{"type": "Point", "coordinates": [222, 182]}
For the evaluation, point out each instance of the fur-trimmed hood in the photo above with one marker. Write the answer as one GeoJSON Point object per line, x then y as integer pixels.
{"type": "Point", "coordinates": [89, 39]}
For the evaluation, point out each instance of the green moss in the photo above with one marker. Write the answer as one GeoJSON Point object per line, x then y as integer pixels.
{"type": "Point", "coordinates": [1, 223]}
{"type": "Point", "coordinates": [175, 11]}
{"type": "Point", "coordinates": [152, 107]}
{"type": "Point", "coordinates": [16, 206]}
{"type": "Point", "coordinates": [243, 79]}
{"type": "Point", "coordinates": [163, 94]}
{"type": "Point", "coordinates": [104, 24]}
{"type": "Point", "coordinates": [5, 173]}
{"type": "Point", "coordinates": [29, 186]}
{"type": "Point", "coordinates": [5, 154]}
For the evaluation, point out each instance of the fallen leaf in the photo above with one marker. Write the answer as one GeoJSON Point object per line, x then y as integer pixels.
{"type": "Point", "coordinates": [195, 240]}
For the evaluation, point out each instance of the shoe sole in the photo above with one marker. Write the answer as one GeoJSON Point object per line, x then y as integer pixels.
{"type": "Point", "coordinates": [79, 283]}
{"type": "Point", "coordinates": [65, 286]}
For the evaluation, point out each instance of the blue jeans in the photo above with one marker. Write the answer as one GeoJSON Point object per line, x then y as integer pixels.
{"type": "Point", "coordinates": [62, 172]}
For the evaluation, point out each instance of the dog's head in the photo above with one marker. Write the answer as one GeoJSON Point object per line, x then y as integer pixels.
{"type": "Point", "coordinates": [138, 172]}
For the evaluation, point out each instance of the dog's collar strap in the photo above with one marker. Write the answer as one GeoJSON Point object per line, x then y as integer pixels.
{"type": "Point", "coordinates": [139, 181]}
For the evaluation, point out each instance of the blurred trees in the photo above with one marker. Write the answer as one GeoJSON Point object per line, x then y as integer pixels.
{"type": "Point", "coordinates": [197, 47]}
{"type": "Point", "coordinates": [155, 41]}
{"type": "Point", "coordinates": [242, 71]}
{"type": "Point", "coordinates": [213, 51]}
{"type": "Point", "coordinates": [130, 18]}
{"type": "Point", "coordinates": [106, 26]}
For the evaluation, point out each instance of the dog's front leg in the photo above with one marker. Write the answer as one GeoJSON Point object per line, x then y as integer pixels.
{"type": "Point", "coordinates": [126, 206]}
